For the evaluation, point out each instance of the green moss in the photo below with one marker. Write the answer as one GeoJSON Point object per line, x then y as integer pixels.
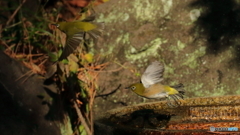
{"type": "Point", "coordinates": [113, 17]}
{"type": "Point", "coordinates": [147, 10]}
{"type": "Point", "coordinates": [66, 128]}
{"type": "Point", "coordinates": [221, 89]}
{"type": "Point", "coordinates": [176, 48]}
{"type": "Point", "coordinates": [125, 38]}
{"type": "Point", "coordinates": [180, 45]}
{"type": "Point", "coordinates": [167, 5]}
{"type": "Point", "coordinates": [196, 89]}
{"type": "Point", "coordinates": [238, 91]}
{"type": "Point", "coordinates": [151, 50]}
{"type": "Point", "coordinates": [169, 70]}
{"type": "Point", "coordinates": [191, 60]}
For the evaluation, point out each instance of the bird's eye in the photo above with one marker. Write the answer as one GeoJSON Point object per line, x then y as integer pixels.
{"type": "Point", "coordinates": [133, 87]}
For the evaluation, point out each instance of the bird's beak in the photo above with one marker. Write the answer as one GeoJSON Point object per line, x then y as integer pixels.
{"type": "Point", "coordinates": [127, 87]}
{"type": "Point", "coordinates": [54, 26]}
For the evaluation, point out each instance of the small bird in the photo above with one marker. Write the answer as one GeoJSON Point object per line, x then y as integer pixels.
{"type": "Point", "coordinates": [150, 86]}
{"type": "Point", "coordinates": [76, 31]}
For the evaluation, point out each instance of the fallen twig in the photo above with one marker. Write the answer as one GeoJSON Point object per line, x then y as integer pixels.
{"type": "Point", "coordinates": [83, 122]}
{"type": "Point", "coordinates": [15, 12]}
{"type": "Point", "coordinates": [105, 95]}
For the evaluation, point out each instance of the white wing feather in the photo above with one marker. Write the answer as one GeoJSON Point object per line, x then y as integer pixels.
{"type": "Point", "coordinates": [153, 74]}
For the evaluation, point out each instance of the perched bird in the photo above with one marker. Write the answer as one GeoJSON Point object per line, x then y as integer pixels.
{"type": "Point", "coordinates": [150, 86]}
{"type": "Point", "coordinates": [76, 31]}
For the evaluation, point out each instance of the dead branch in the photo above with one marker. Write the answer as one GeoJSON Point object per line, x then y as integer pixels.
{"type": "Point", "coordinates": [83, 122]}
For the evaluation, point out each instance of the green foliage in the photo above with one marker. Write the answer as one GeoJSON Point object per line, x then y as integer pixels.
{"type": "Point", "coordinates": [25, 28]}
{"type": "Point", "coordinates": [138, 74]}
{"type": "Point", "coordinates": [27, 36]}
{"type": "Point", "coordinates": [82, 130]}
{"type": "Point", "coordinates": [65, 61]}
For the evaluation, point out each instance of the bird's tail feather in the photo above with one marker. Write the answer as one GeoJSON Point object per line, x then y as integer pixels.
{"type": "Point", "coordinates": [179, 88]}
{"type": "Point", "coordinates": [176, 97]}
{"type": "Point", "coordinates": [95, 33]}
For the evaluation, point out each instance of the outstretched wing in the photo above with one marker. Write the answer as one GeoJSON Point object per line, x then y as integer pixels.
{"type": "Point", "coordinates": [71, 45]}
{"type": "Point", "coordinates": [153, 74]}
{"type": "Point", "coordinates": [94, 30]}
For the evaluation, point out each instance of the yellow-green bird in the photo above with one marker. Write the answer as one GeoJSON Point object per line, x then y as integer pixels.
{"type": "Point", "coordinates": [150, 86]}
{"type": "Point", "coordinates": [76, 31]}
